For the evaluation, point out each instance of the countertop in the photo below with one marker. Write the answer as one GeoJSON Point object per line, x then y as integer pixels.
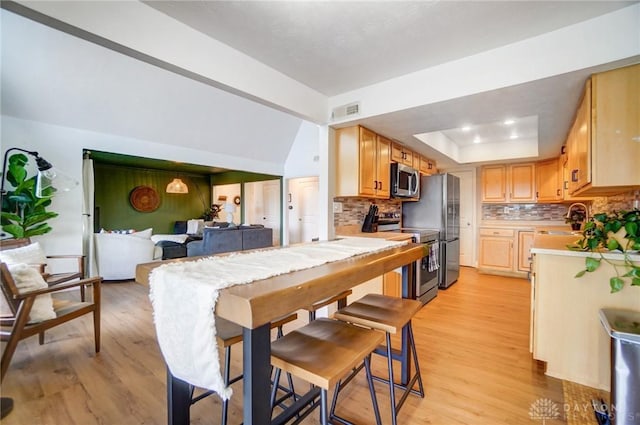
{"type": "Point", "coordinates": [557, 245]}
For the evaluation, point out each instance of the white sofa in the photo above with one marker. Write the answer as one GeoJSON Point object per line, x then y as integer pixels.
{"type": "Point", "coordinates": [117, 255]}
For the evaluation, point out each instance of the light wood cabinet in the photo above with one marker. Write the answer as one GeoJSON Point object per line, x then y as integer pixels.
{"type": "Point", "coordinates": [509, 183]}
{"type": "Point", "coordinates": [427, 166]}
{"type": "Point", "coordinates": [494, 183]}
{"type": "Point", "coordinates": [505, 251]}
{"type": "Point", "coordinates": [604, 141]}
{"type": "Point", "coordinates": [392, 284]}
{"type": "Point", "coordinates": [371, 152]}
{"type": "Point", "coordinates": [525, 242]}
{"type": "Point", "coordinates": [496, 250]}
{"type": "Point", "coordinates": [549, 180]}
{"type": "Point", "coordinates": [578, 141]}
{"type": "Point", "coordinates": [401, 154]}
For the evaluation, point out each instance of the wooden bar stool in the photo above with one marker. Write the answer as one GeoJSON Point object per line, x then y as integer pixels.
{"type": "Point", "coordinates": [341, 299]}
{"type": "Point", "coordinates": [389, 314]}
{"type": "Point", "coordinates": [229, 334]}
{"type": "Point", "coordinates": [323, 352]}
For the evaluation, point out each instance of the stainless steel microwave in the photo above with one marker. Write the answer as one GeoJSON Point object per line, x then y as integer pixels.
{"type": "Point", "coordinates": [405, 181]}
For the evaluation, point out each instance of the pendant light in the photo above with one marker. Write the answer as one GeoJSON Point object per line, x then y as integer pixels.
{"type": "Point", "coordinates": [177, 186]}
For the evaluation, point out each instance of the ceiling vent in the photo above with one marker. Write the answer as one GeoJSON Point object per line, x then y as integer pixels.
{"type": "Point", "coordinates": [345, 111]}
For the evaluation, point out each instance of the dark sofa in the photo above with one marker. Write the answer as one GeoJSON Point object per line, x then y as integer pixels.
{"type": "Point", "coordinates": [216, 240]}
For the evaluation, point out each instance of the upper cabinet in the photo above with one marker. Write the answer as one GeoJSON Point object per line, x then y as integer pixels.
{"type": "Point", "coordinates": [509, 183]}
{"type": "Point", "coordinates": [603, 145]}
{"type": "Point", "coordinates": [401, 154]}
{"type": "Point", "coordinates": [549, 180]}
{"type": "Point", "coordinates": [362, 163]}
{"type": "Point", "coordinates": [427, 166]}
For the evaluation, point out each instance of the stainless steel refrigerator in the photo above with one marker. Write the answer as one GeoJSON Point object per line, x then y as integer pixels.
{"type": "Point", "coordinates": [439, 208]}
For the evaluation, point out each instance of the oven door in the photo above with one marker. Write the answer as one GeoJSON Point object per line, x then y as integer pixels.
{"type": "Point", "coordinates": [427, 275]}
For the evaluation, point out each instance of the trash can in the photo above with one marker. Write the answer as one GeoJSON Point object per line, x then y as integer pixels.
{"type": "Point", "coordinates": [623, 326]}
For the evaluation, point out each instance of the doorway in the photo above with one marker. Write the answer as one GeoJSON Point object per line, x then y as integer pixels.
{"type": "Point", "coordinates": [302, 204]}
{"type": "Point", "coordinates": [262, 205]}
{"type": "Point", "coordinates": [467, 217]}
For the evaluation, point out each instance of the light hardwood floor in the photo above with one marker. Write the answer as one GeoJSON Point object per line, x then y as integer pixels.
{"type": "Point", "coordinates": [472, 342]}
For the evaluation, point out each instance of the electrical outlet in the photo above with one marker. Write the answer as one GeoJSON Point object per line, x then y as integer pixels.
{"type": "Point", "coordinates": [337, 207]}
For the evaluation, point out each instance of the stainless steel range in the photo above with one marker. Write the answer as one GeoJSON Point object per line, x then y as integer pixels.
{"type": "Point", "coordinates": [427, 267]}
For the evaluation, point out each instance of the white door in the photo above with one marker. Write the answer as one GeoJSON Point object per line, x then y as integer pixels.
{"type": "Point", "coordinates": [467, 217]}
{"type": "Point", "coordinates": [263, 205]}
{"type": "Point", "coordinates": [303, 209]}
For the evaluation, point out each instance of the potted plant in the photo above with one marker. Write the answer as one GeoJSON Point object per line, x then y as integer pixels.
{"type": "Point", "coordinates": [576, 218]}
{"type": "Point", "coordinates": [23, 214]}
{"type": "Point", "coordinates": [618, 231]}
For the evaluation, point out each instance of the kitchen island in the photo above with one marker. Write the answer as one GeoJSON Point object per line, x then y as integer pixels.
{"type": "Point", "coordinates": [256, 304]}
{"type": "Point", "coordinates": [565, 329]}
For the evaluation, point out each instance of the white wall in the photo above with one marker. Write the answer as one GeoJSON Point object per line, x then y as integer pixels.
{"type": "Point", "coordinates": [304, 157]}
{"type": "Point", "coordinates": [63, 146]}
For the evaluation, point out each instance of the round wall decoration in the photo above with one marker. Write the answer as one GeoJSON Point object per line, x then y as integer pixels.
{"type": "Point", "coordinates": [144, 199]}
{"type": "Point", "coordinates": [236, 200]}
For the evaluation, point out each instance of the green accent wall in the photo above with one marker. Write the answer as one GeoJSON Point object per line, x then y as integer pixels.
{"type": "Point", "coordinates": [113, 186]}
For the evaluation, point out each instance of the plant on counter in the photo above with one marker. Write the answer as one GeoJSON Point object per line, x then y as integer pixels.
{"type": "Point", "coordinates": [615, 231]}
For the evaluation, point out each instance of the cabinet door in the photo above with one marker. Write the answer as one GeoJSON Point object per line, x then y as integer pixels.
{"type": "Point", "coordinates": [416, 161]}
{"type": "Point", "coordinates": [615, 132]}
{"type": "Point", "coordinates": [579, 144]}
{"type": "Point", "coordinates": [494, 179]}
{"type": "Point", "coordinates": [397, 154]}
{"type": "Point", "coordinates": [392, 284]}
{"type": "Point", "coordinates": [368, 179]}
{"type": "Point", "coordinates": [525, 242]}
{"type": "Point", "coordinates": [383, 171]}
{"type": "Point", "coordinates": [548, 181]}
{"type": "Point", "coordinates": [496, 253]}
{"type": "Point", "coordinates": [522, 183]}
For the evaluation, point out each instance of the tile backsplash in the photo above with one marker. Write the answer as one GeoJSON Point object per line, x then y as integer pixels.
{"type": "Point", "coordinates": [625, 201]}
{"type": "Point", "coordinates": [354, 209]}
{"type": "Point", "coordinates": [524, 212]}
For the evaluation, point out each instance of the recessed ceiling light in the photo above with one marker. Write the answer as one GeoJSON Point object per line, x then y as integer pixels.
{"type": "Point", "coordinates": [476, 140]}
{"type": "Point", "coordinates": [466, 128]}
{"type": "Point", "coordinates": [508, 122]}
{"type": "Point", "coordinates": [513, 136]}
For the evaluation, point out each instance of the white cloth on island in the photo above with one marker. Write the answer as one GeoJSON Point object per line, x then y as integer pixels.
{"type": "Point", "coordinates": [184, 296]}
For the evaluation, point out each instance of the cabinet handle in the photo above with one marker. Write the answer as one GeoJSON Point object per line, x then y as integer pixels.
{"type": "Point", "coordinates": [375, 184]}
{"type": "Point", "coordinates": [565, 185]}
{"type": "Point", "coordinates": [574, 175]}
{"type": "Point", "coordinates": [537, 195]}
{"type": "Point", "coordinates": [289, 197]}
{"type": "Point", "coordinates": [380, 188]}
{"type": "Point", "coordinates": [430, 165]}
{"type": "Point", "coordinates": [558, 192]}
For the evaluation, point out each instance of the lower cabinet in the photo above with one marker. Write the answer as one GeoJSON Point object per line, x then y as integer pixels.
{"type": "Point", "coordinates": [505, 251]}
{"type": "Point", "coordinates": [392, 284]}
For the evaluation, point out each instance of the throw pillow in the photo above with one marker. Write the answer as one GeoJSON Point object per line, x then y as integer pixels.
{"type": "Point", "coordinates": [144, 234]}
{"type": "Point", "coordinates": [29, 279]}
{"type": "Point", "coordinates": [30, 254]}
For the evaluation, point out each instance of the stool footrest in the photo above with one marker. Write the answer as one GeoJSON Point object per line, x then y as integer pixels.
{"type": "Point", "coordinates": [298, 408]}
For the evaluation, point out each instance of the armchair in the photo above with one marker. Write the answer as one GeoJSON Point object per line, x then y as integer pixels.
{"type": "Point", "coordinates": [117, 255]}
{"type": "Point", "coordinates": [21, 303]}
{"type": "Point", "coordinates": [13, 251]}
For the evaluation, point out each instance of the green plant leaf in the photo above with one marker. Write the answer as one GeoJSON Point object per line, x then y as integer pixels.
{"type": "Point", "coordinates": [612, 244]}
{"type": "Point", "coordinates": [634, 272]}
{"type": "Point", "coordinates": [632, 229]}
{"type": "Point", "coordinates": [14, 230]}
{"type": "Point", "coordinates": [580, 273]}
{"type": "Point", "coordinates": [635, 281]}
{"type": "Point", "coordinates": [40, 229]}
{"type": "Point", "coordinates": [616, 284]}
{"type": "Point", "coordinates": [592, 264]}
{"type": "Point", "coordinates": [39, 218]}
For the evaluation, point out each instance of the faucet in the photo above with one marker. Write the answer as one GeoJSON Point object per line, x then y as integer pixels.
{"type": "Point", "coordinates": [579, 204]}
